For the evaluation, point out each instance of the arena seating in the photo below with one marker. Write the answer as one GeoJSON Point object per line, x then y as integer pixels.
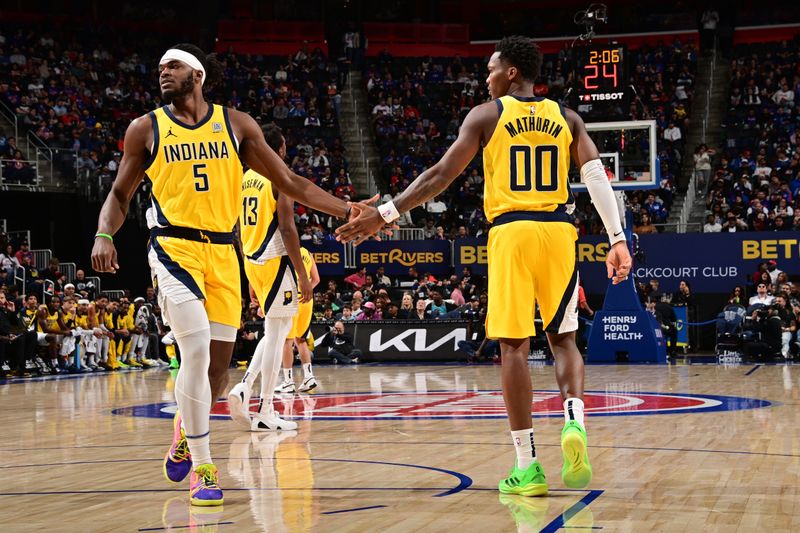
{"type": "Point", "coordinates": [756, 183]}
{"type": "Point", "coordinates": [56, 93]}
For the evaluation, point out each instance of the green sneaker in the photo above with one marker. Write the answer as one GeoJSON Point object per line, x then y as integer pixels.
{"type": "Point", "coordinates": [173, 363]}
{"type": "Point", "coordinates": [123, 366]}
{"type": "Point", "coordinates": [528, 482]}
{"type": "Point", "coordinates": [576, 472]}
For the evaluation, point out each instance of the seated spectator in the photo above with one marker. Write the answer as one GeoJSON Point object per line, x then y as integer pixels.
{"type": "Point", "coordinates": [737, 296]}
{"type": "Point", "coordinates": [420, 312]}
{"type": "Point", "coordinates": [340, 345]}
{"type": "Point", "coordinates": [684, 295]}
{"type": "Point", "coordinates": [438, 307]}
{"type": "Point", "coordinates": [712, 225]}
{"type": "Point", "coordinates": [381, 279]}
{"type": "Point", "coordinates": [17, 343]}
{"type": "Point", "coordinates": [761, 297]}
{"type": "Point", "coordinates": [357, 279]}
{"type": "Point", "coordinates": [371, 312]}
{"type": "Point", "coordinates": [406, 310]}
{"type": "Point", "coordinates": [645, 226]}
{"type": "Point", "coordinates": [347, 314]}
{"type": "Point", "coordinates": [9, 261]}
{"type": "Point", "coordinates": [733, 223]}
{"type": "Point", "coordinates": [774, 271]}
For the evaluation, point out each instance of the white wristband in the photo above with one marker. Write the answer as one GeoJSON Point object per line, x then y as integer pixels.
{"type": "Point", "coordinates": [389, 212]}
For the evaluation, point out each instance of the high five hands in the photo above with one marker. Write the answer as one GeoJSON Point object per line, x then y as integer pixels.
{"type": "Point", "coordinates": [365, 221]}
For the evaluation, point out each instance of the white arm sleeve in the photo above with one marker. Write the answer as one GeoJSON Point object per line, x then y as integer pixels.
{"type": "Point", "coordinates": [594, 176]}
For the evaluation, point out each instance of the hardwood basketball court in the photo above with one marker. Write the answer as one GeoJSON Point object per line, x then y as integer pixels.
{"type": "Point", "coordinates": [413, 448]}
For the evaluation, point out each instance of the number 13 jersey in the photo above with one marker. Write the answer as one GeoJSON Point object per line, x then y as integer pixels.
{"type": "Point", "coordinates": [527, 159]}
{"type": "Point", "coordinates": [194, 171]}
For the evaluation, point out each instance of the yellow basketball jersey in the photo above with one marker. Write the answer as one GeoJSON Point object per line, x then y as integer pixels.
{"type": "Point", "coordinates": [69, 319]}
{"type": "Point", "coordinates": [527, 159]}
{"type": "Point", "coordinates": [82, 321]}
{"type": "Point", "coordinates": [258, 221]}
{"type": "Point", "coordinates": [195, 172]}
{"type": "Point", "coordinates": [308, 261]}
{"type": "Point", "coordinates": [50, 319]}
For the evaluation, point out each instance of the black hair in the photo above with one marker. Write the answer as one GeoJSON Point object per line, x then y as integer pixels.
{"type": "Point", "coordinates": [273, 135]}
{"type": "Point", "coordinates": [523, 53]}
{"type": "Point", "coordinates": [210, 63]}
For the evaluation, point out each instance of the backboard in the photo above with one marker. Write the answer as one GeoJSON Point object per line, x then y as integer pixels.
{"type": "Point", "coordinates": [628, 151]}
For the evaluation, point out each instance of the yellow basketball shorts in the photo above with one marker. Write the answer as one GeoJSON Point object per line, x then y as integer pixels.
{"type": "Point", "coordinates": [531, 262]}
{"type": "Point", "coordinates": [184, 270]}
{"type": "Point", "coordinates": [301, 323]}
{"type": "Point", "coordinates": [275, 286]}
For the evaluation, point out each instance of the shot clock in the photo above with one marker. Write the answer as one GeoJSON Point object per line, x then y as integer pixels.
{"type": "Point", "coordinates": [602, 80]}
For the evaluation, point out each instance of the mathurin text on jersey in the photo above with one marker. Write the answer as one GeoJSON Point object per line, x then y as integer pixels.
{"type": "Point", "coordinates": [253, 183]}
{"type": "Point", "coordinates": [525, 123]}
{"type": "Point", "coordinates": [196, 151]}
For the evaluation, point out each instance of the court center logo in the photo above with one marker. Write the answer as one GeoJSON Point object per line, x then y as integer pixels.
{"type": "Point", "coordinates": [467, 405]}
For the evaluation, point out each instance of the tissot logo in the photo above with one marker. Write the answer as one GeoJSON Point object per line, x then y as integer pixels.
{"type": "Point", "coordinates": [414, 339]}
{"type": "Point", "coordinates": [602, 96]}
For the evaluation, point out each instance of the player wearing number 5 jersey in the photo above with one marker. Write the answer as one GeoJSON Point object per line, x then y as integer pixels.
{"type": "Point", "coordinates": [527, 143]}
{"type": "Point", "coordinates": [192, 153]}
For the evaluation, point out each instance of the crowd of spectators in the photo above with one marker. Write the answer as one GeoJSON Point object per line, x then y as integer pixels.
{"type": "Point", "coordinates": [768, 320]}
{"type": "Point", "coordinates": [80, 96]}
{"type": "Point", "coordinates": [755, 185]}
{"type": "Point", "coordinates": [126, 331]}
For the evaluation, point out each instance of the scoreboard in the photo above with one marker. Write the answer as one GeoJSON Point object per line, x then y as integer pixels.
{"type": "Point", "coordinates": [601, 72]}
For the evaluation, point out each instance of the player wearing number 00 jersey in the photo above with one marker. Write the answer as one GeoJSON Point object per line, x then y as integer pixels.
{"type": "Point", "coordinates": [527, 143]}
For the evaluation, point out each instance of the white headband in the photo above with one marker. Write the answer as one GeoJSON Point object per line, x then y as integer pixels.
{"type": "Point", "coordinates": [186, 57]}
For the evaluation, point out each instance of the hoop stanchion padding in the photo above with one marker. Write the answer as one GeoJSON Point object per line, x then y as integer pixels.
{"type": "Point", "coordinates": [623, 330]}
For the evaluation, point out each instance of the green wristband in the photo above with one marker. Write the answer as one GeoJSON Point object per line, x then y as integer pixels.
{"type": "Point", "coordinates": [106, 235]}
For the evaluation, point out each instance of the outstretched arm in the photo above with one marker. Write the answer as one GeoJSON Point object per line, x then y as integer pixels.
{"type": "Point", "coordinates": [115, 208]}
{"type": "Point", "coordinates": [585, 154]}
{"type": "Point", "coordinates": [431, 182]}
{"type": "Point", "coordinates": [256, 154]}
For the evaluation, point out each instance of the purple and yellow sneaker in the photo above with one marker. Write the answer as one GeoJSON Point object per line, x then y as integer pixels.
{"type": "Point", "coordinates": [178, 461]}
{"type": "Point", "coordinates": [204, 486]}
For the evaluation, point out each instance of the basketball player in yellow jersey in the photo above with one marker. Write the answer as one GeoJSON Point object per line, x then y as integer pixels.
{"type": "Point", "coordinates": [49, 326]}
{"type": "Point", "coordinates": [298, 336]}
{"type": "Point", "coordinates": [271, 248]}
{"type": "Point", "coordinates": [192, 154]}
{"type": "Point", "coordinates": [527, 142]}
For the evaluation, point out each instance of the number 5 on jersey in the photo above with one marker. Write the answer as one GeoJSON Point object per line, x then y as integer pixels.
{"type": "Point", "coordinates": [200, 178]}
{"type": "Point", "coordinates": [528, 164]}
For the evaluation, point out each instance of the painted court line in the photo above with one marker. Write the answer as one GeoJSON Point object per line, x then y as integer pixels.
{"type": "Point", "coordinates": [753, 370]}
{"type": "Point", "coordinates": [561, 520]}
{"type": "Point", "coordinates": [351, 510]}
{"type": "Point", "coordinates": [184, 527]}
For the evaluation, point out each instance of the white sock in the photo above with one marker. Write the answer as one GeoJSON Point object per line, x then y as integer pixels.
{"type": "Point", "coordinates": [275, 331]}
{"type": "Point", "coordinates": [523, 444]}
{"type": "Point", "coordinates": [192, 386]}
{"type": "Point", "coordinates": [255, 364]}
{"type": "Point", "coordinates": [287, 374]}
{"type": "Point", "coordinates": [573, 410]}
{"type": "Point", "coordinates": [200, 448]}
{"type": "Point", "coordinates": [307, 372]}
